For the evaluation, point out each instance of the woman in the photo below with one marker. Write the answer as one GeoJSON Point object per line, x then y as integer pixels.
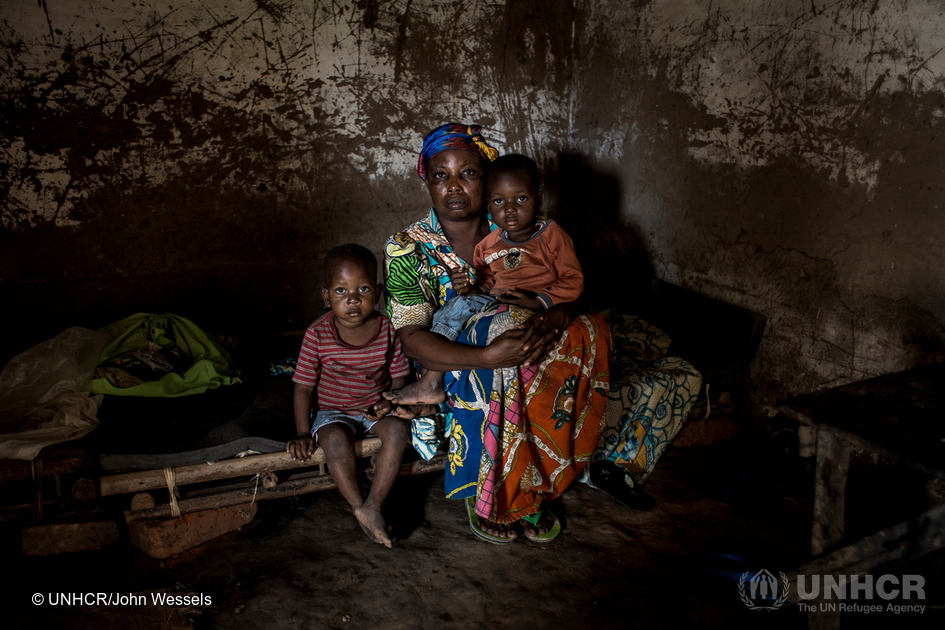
{"type": "Point", "coordinates": [527, 401]}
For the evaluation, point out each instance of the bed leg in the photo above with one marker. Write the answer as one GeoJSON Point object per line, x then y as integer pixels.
{"type": "Point", "coordinates": [37, 466]}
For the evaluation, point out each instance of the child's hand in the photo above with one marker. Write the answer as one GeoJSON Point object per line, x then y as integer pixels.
{"type": "Point", "coordinates": [460, 280]}
{"type": "Point", "coordinates": [301, 448]}
{"type": "Point", "coordinates": [380, 409]}
{"type": "Point", "coordinates": [521, 298]}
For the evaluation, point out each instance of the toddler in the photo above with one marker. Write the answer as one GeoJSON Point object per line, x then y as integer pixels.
{"type": "Point", "coordinates": [529, 262]}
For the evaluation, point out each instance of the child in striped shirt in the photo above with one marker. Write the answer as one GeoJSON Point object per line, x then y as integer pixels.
{"type": "Point", "coordinates": [350, 356]}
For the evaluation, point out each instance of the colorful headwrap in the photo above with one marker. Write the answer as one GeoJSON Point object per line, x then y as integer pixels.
{"type": "Point", "coordinates": [454, 136]}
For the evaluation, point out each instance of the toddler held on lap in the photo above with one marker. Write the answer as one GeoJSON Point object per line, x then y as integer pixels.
{"type": "Point", "coordinates": [350, 356]}
{"type": "Point", "coordinates": [528, 262]}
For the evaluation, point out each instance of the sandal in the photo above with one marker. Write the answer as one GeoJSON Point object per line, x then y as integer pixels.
{"type": "Point", "coordinates": [611, 480]}
{"type": "Point", "coordinates": [480, 533]}
{"type": "Point", "coordinates": [548, 536]}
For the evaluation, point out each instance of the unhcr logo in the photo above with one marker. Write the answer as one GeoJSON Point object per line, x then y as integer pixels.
{"type": "Point", "coordinates": [765, 591]}
{"type": "Point", "coordinates": [861, 587]}
{"type": "Point", "coordinates": [762, 590]}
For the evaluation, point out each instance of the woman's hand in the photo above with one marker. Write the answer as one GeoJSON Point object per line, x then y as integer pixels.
{"type": "Point", "coordinates": [543, 330]}
{"type": "Point", "coordinates": [507, 350]}
{"type": "Point", "coordinates": [533, 340]}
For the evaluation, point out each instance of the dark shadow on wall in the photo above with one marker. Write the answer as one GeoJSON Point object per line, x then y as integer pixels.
{"type": "Point", "coordinates": [586, 203]}
{"type": "Point", "coordinates": [719, 339]}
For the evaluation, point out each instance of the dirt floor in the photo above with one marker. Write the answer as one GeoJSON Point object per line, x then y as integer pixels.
{"type": "Point", "coordinates": [610, 568]}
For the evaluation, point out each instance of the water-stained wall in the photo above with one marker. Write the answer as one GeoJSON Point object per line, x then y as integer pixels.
{"type": "Point", "coordinates": [200, 157]}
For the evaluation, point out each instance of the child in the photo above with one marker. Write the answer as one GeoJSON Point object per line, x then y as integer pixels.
{"type": "Point", "coordinates": [529, 262]}
{"type": "Point", "coordinates": [348, 357]}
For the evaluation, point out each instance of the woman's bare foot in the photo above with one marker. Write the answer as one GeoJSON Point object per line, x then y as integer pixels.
{"type": "Point", "coordinates": [371, 521]}
{"type": "Point", "coordinates": [545, 523]}
{"type": "Point", "coordinates": [425, 391]}
{"type": "Point", "coordinates": [499, 530]}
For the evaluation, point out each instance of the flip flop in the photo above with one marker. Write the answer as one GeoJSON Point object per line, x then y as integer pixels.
{"type": "Point", "coordinates": [480, 533]}
{"type": "Point", "coordinates": [548, 536]}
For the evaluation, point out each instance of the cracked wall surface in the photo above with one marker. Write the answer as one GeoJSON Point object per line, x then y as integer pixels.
{"type": "Point", "coordinates": [201, 157]}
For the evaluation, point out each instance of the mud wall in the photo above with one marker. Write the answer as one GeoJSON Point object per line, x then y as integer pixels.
{"type": "Point", "coordinates": [201, 157]}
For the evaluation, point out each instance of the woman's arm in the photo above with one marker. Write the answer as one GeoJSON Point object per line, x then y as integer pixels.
{"type": "Point", "coordinates": [438, 353]}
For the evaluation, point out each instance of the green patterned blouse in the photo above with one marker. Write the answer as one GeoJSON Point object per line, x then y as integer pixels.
{"type": "Point", "coordinates": [417, 264]}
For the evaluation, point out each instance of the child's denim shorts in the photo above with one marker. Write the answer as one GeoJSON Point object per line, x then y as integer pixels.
{"type": "Point", "coordinates": [450, 320]}
{"type": "Point", "coordinates": [330, 416]}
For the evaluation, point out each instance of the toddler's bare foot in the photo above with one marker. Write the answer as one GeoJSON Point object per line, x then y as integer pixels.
{"type": "Point", "coordinates": [422, 392]}
{"type": "Point", "coordinates": [409, 412]}
{"type": "Point", "coordinates": [425, 410]}
{"type": "Point", "coordinates": [371, 521]}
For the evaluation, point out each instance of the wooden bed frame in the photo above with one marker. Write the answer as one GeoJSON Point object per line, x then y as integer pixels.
{"type": "Point", "coordinates": [270, 476]}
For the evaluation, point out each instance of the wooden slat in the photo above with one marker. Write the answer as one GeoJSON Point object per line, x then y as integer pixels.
{"type": "Point", "coordinates": [251, 464]}
{"type": "Point", "coordinates": [259, 493]}
{"type": "Point", "coordinates": [235, 497]}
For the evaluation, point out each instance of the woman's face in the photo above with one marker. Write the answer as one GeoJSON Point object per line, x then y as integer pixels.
{"type": "Point", "coordinates": [454, 179]}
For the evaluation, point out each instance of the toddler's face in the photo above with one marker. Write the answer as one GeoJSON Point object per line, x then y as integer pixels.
{"type": "Point", "coordinates": [351, 294]}
{"type": "Point", "coordinates": [513, 200]}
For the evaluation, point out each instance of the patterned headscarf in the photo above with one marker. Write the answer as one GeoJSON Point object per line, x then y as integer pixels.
{"type": "Point", "coordinates": [454, 136]}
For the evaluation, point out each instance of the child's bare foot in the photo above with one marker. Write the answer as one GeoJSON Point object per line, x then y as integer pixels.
{"type": "Point", "coordinates": [371, 521]}
{"type": "Point", "coordinates": [424, 391]}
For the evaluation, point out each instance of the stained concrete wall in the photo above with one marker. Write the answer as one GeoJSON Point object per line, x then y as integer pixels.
{"type": "Point", "coordinates": [200, 157]}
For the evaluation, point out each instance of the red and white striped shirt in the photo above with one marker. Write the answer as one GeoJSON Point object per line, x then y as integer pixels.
{"type": "Point", "coordinates": [349, 378]}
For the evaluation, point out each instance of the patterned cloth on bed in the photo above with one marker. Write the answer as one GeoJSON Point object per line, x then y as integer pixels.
{"type": "Point", "coordinates": [650, 397]}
